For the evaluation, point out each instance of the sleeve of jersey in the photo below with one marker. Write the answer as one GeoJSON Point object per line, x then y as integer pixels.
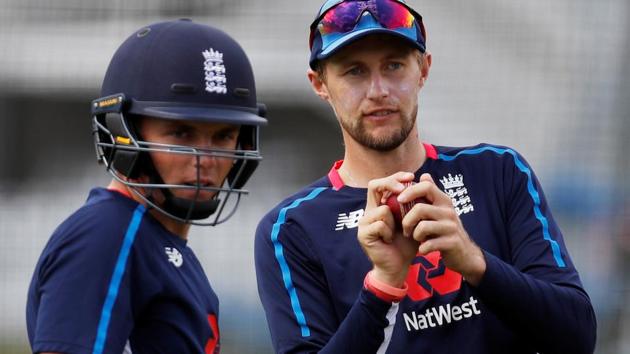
{"type": "Point", "coordinates": [293, 290]}
{"type": "Point", "coordinates": [79, 310]}
{"type": "Point", "coordinates": [538, 292]}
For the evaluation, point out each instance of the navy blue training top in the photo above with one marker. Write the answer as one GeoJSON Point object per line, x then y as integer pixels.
{"type": "Point", "coordinates": [111, 278]}
{"type": "Point", "coordinates": [310, 270]}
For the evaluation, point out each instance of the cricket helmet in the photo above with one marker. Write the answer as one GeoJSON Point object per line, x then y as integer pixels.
{"type": "Point", "coordinates": [178, 70]}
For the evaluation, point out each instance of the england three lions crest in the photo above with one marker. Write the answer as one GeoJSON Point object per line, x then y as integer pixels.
{"type": "Point", "coordinates": [216, 80]}
{"type": "Point", "coordinates": [454, 187]}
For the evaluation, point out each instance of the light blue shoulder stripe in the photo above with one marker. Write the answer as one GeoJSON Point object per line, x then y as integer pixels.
{"type": "Point", "coordinates": [531, 188]}
{"type": "Point", "coordinates": [284, 266]}
{"type": "Point", "coordinates": [114, 284]}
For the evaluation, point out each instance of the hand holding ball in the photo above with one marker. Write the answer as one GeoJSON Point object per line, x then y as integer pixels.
{"type": "Point", "coordinates": [400, 210]}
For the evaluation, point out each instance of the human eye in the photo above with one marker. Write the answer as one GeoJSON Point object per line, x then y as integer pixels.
{"type": "Point", "coordinates": [394, 66]}
{"type": "Point", "coordinates": [180, 132]}
{"type": "Point", "coordinates": [226, 137]}
{"type": "Point", "coordinates": [354, 71]}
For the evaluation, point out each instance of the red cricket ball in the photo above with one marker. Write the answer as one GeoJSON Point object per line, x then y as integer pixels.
{"type": "Point", "coordinates": [400, 210]}
{"type": "Point", "coordinates": [394, 207]}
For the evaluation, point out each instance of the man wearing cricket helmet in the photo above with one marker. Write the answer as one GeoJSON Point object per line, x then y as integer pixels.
{"type": "Point", "coordinates": [177, 127]}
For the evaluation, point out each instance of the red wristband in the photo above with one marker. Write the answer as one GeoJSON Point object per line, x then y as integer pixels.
{"type": "Point", "coordinates": [384, 291]}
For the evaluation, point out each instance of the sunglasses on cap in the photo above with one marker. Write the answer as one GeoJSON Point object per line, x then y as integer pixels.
{"type": "Point", "coordinates": [338, 17]}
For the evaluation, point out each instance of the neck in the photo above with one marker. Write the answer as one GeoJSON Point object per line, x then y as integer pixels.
{"type": "Point", "coordinates": [174, 226]}
{"type": "Point", "coordinates": [362, 164]}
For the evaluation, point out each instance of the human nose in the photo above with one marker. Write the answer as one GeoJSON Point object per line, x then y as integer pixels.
{"type": "Point", "coordinates": [378, 88]}
{"type": "Point", "coordinates": [204, 157]}
{"type": "Point", "coordinates": [205, 161]}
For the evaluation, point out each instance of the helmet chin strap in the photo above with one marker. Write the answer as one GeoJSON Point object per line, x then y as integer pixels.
{"type": "Point", "coordinates": [188, 209]}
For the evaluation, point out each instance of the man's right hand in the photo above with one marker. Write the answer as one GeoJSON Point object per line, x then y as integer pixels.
{"type": "Point", "coordinates": [389, 251]}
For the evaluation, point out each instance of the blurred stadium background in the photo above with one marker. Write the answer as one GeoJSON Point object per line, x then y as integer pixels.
{"type": "Point", "coordinates": [549, 78]}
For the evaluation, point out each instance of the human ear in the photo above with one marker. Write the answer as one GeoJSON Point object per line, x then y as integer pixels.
{"type": "Point", "coordinates": [427, 59]}
{"type": "Point", "coordinates": [317, 84]}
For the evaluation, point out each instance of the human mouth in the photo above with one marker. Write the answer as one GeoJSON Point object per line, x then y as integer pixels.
{"type": "Point", "coordinates": [198, 183]}
{"type": "Point", "coordinates": [380, 114]}
{"type": "Point", "coordinates": [204, 187]}
{"type": "Point", "coordinates": [383, 113]}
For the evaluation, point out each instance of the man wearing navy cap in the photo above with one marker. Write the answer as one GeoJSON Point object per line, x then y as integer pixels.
{"type": "Point", "coordinates": [177, 128]}
{"type": "Point", "coordinates": [472, 261]}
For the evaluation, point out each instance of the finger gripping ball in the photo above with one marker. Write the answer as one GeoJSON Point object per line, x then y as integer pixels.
{"type": "Point", "coordinates": [394, 207]}
{"type": "Point", "coordinates": [400, 210]}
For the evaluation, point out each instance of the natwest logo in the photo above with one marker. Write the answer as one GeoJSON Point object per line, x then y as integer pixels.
{"type": "Point", "coordinates": [428, 275]}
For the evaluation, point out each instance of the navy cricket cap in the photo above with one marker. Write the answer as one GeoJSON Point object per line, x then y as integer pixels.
{"type": "Point", "coordinates": [184, 70]}
{"type": "Point", "coordinates": [369, 17]}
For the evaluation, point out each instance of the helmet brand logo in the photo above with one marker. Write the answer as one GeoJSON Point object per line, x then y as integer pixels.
{"type": "Point", "coordinates": [109, 102]}
{"type": "Point", "coordinates": [214, 69]}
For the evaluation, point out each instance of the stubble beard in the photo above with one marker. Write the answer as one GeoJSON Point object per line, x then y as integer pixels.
{"type": "Point", "coordinates": [357, 130]}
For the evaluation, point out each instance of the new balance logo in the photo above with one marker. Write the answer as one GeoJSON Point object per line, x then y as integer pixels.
{"type": "Point", "coordinates": [349, 220]}
{"type": "Point", "coordinates": [174, 256]}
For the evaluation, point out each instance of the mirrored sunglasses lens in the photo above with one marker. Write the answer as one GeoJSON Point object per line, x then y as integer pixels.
{"type": "Point", "coordinates": [392, 14]}
{"type": "Point", "coordinates": [341, 18]}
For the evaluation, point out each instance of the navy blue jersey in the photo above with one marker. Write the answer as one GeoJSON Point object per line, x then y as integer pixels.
{"type": "Point", "coordinates": [112, 278]}
{"type": "Point", "coordinates": [310, 270]}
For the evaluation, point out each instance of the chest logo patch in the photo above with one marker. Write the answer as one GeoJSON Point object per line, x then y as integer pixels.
{"type": "Point", "coordinates": [348, 220]}
{"type": "Point", "coordinates": [454, 187]}
{"type": "Point", "coordinates": [174, 256]}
